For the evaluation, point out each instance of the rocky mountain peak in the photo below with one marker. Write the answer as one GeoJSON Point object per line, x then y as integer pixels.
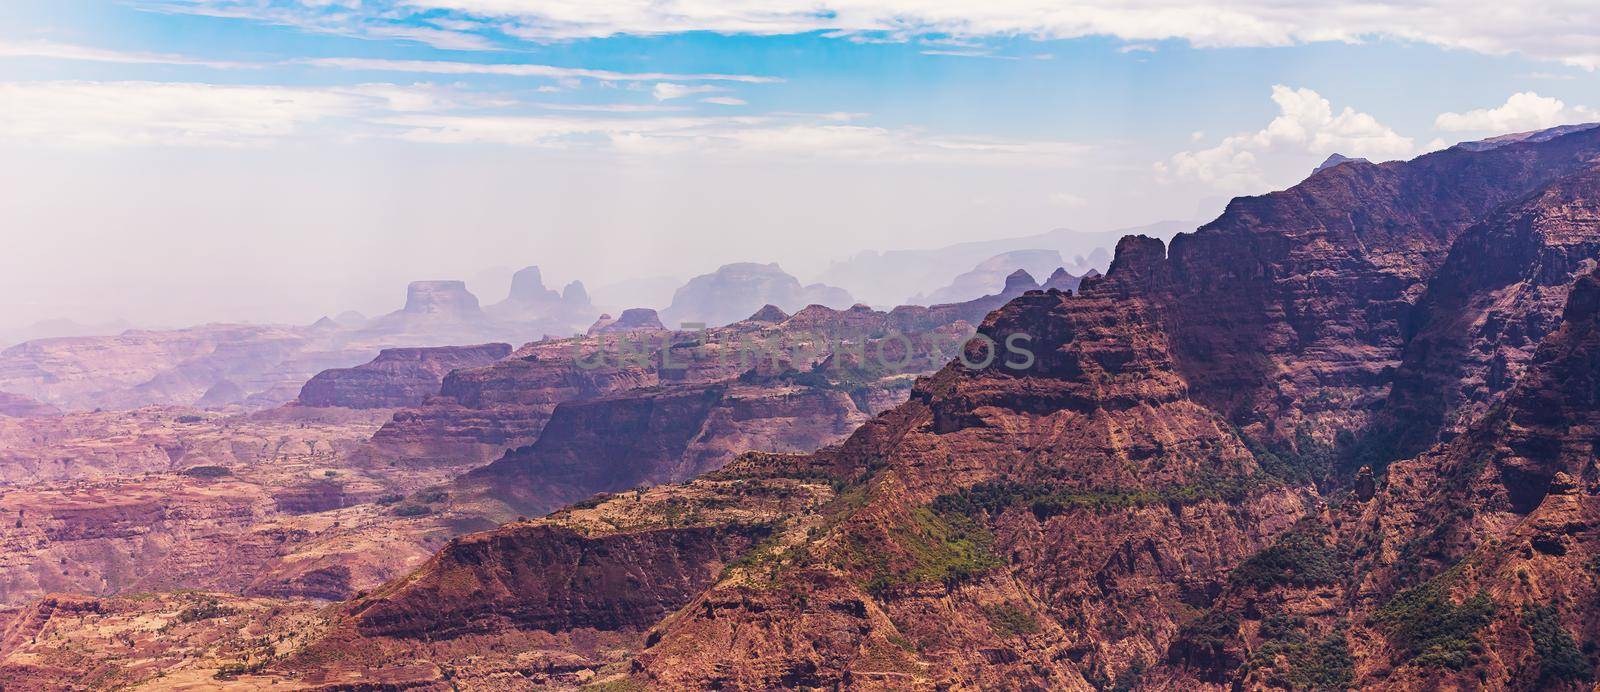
{"type": "Point", "coordinates": [1019, 281]}
{"type": "Point", "coordinates": [1334, 160]}
{"type": "Point", "coordinates": [768, 313]}
{"type": "Point", "coordinates": [527, 286]}
{"type": "Point", "coordinates": [574, 295]}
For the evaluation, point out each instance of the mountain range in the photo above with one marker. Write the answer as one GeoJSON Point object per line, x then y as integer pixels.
{"type": "Point", "coordinates": [1342, 436]}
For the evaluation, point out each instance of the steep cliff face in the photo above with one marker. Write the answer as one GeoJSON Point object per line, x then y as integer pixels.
{"type": "Point", "coordinates": [1497, 295]}
{"type": "Point", "coordinates": [397, 378]}
{"type": "Point", "coordinates": [1293, 302]}
{"type": "Point", "coordinates": [1006, 501]}
{"type": "Point", "coordinates": [657, 436]}
{"type": "Point", "coordinates": [556, 599]}
{"type": "Point", "coordinates": [480, 413]}
{"type": "Point", "coordinates": [1468, 567]}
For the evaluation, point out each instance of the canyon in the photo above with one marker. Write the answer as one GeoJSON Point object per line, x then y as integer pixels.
{"type": "Point", "coordinates": [1341, 436]}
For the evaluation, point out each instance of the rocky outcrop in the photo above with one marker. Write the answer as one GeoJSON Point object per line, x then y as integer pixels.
{"type": "Point", "coordinates": [737, 290]}
{"type": "Point", "coordinates": [546, 311]}
{"type": "Point", "coordinates": [397, 378]}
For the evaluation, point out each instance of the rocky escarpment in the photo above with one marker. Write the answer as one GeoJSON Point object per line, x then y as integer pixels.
{"type": "Point", "coordinates": [573, 591]}
{"type": "Point", "coordinates": [1290, 309]}
{"type": "Point", "coordinates": [550, 578]}
{"type": "Point", "coordinates": [1150, 495]}
{"type": "Point", "coordinates": [657, 436]}
{"type": "Point", "coordinates": [1089, 519]}
{"type": "Point", "coordinates": [397, 378]}
{"type": "Point", "coordinates": [1072, 477]}
{"type": "Point", "coordinates": [1497, 295]}
{"type": "Point", "coordinates": [1467, 567]}
{"type": "Point", "coordinates": [480, 412]}
{"type": "Point", "coordinates": [483, 412]}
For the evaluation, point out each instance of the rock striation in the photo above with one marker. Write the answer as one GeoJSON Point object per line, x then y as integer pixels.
{"type": "Point", "coordinates": [1168, 497]}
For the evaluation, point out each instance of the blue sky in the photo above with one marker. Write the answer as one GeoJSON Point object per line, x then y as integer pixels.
{"type": "Point", "coordinates": [296, 157]}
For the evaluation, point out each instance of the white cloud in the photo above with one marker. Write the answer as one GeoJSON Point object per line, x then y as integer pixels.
{"type": "Point", "coordinates": [797, 137]}
{"type": "Point", "coordinates": [68, 51]}
{"type": "Point", "coordinates": [970, 54]}
{"type": "Point", "coordinates": [724, 101]}
{"type": "Point", "coordinates": [134, 113]}
{"type": "Point", "coordinates": [137, 113]}
{"type": "Point", "coordinates": [666, 91]}
{"type": "Point", "coordinates": [1306, 125]}
{"type": "Point", "coordinates": [1559, 30]}
{"type": "Point", "coordinates": [1521, 112]}
{"type": "Point", "coordinates": [523, 70]}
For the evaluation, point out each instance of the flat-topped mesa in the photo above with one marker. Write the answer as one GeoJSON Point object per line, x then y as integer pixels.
{"type": "Point", "coordinates": [632, 319]}
{"type": "Point", "coordinates": [398, 377]}
{"type": "Point", "coordinates": [441, 298]}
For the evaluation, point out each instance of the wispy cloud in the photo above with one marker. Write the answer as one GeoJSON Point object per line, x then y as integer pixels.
{"type": "Point", "coordinates": [979, 53]}
{"type": "Point", "coordinates": [68, 51]}
{"type": "Point", "coordinates": [97, 114]}
{"type": "Point", "coordinates": [132, 113]}
{"type": "Point", "coordinates": [1521, 112]}
{"type": "Point", "coordinates": [1565, 31]}
{"type": "Point", "coordinates": [524, 70]}
{"type": "Point", "coordinates": [724, 101]}
{"type": "Point", "coordinates": [666, 91]}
